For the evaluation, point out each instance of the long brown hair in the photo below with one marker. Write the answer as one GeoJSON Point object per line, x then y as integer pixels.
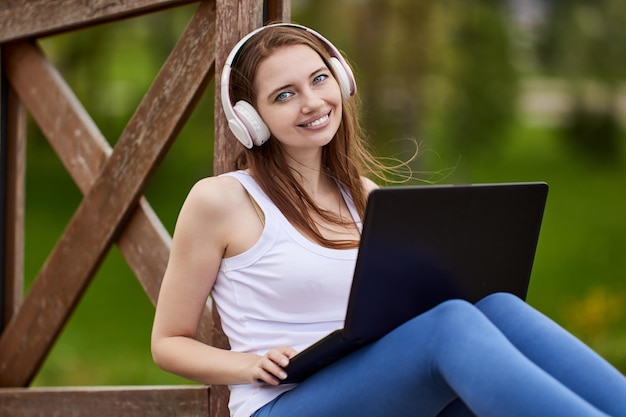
{"type": "Point", "coordinates": [345, 159]}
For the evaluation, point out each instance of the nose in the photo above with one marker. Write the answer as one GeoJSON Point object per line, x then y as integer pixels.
{"type": "Point", "coordinates": [311, 101]}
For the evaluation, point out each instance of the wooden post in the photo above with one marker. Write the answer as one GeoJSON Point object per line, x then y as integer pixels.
{"type": "Point", "coordinates": [277, 10]}
{"type": "Point", "coordinates": [12, 185]}
{"type": "Point", "coordinates": [3, 183]}
{"type": "Point", "coordinates": [234, 20]}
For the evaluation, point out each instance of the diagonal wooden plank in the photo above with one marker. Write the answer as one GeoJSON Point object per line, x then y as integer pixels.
{"type": "Point", "coordinates": [145, 243]}
{"type": "Point", "coordinates": [35, 18]}
{"type": "Point", "coordinates": [99, 217]}
{"type": "Point", "coordinates": [69, 129]}
{"type": "Point", "coordinates": [83, 150]}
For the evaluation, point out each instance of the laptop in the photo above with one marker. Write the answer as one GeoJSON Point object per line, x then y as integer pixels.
{"type": "Point", "coordinates": [422, 245]}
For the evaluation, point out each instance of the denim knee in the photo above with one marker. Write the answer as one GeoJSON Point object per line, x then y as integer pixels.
{"type": "Point", "coordinates": [500, 297]}
{"type": "Point", "coordinates": [455, 317]}
{"type": "Point", "coordinates": [498, 302]}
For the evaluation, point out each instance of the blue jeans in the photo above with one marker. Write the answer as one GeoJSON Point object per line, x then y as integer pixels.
{"type": "Point", "coordinates": [499, 357]}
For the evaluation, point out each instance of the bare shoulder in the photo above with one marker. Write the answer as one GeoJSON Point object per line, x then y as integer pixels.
{"type": "Point", "coordinates": [218, 211]}
{"type": "Point", "coordinates": [216, 194]}
{"type": "Point", "coordinates": [368, 184]}
{"type": "Point", "coordinates": [211, 205]}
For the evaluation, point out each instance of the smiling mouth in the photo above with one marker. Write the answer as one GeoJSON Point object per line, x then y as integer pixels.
{"type": "Point", "coordinates": [317, 122]}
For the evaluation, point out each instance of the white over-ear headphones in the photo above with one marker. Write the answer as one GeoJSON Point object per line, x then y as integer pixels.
{"type": "Point", "coordinates": [243, 119]}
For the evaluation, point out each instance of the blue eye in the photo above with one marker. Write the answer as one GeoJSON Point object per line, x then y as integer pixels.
{"type": "Point", "coordinates": [320, 78]}
{"type": "Point", "coordinates": [283, 96]}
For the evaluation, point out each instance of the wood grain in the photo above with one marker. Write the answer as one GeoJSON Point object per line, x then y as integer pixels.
{"type": "Point", "coordinates": [36, 18]}
{"type": "Point", "coordinates": [145, 401]}
{"type": "Point", "coordinates": [14, 210]}
{"type": "Point", "coordinates": [110, 200]}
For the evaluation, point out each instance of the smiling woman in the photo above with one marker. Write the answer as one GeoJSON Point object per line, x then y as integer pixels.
{"type": "Point", "coordinates": [274, 242]}
{"type": "Point", "coordinates": [345, 158]}
{"type": "Point", "coordinates": [300, 98]}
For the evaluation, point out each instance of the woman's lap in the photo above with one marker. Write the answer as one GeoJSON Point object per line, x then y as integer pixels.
{"type": "Point", "coordinates": [422, 367]}
{"type": "Point", "coordinates": [369, 382]}
{"type": "Point", "coordinates": [388, 377]}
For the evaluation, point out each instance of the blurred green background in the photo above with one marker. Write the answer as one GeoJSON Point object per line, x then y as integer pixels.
{"type": "Point", "coordinates": [494, 91]}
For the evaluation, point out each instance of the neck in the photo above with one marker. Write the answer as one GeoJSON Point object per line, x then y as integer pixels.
{"type": "Point", "coordinates": [308, 170]}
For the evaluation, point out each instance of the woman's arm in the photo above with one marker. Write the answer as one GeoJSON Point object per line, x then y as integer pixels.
{"type": "Point", "coordinates": [214, 212]}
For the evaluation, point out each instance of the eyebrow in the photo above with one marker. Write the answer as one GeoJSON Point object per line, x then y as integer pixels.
{"type": "Point", "coordinates": [274, 92]}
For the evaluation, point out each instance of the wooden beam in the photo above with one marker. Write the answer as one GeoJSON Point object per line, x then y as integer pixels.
{"type": "Point", "coordinates": [4, 140]}
{"type": "Point", "coordinates": [12, 172]}
{"type": "Point", "coordinates": [36, 18]}
{"type": "Point", "coordinates": [81, 147]}
{"type": "Point", "coordinates": [14, 200]}
{"type": "Point", "coordinates": [73, 135]}
{"type": "Point", "coordinates": [277, 10]}
{"type": "Point", "coordinates": [234, 20]}
{"type": "Point", "coordinates": [110, 200]}
{"type": "Point", "coordinates": [141, 401]}
{"type": "Point", "coordinates": [83, 150]}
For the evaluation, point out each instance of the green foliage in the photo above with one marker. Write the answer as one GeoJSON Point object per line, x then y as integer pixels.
{"type": "Point", "coordinates": [584, 42]}
{"type": "Point", "coordinates": [579, 275]}
{"type": "Point", "coordinates": [476, 67]}
{"type": "Point", "coordinates": [387, 42]}
{"type": "Point", "coordinates": [440, 71]}
{"type": "Point", "coordinates": [596, 135]}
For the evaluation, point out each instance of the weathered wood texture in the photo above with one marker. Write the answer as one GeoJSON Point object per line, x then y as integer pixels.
{"type": "Point", "coordinates": [112, 181]}
{"type": "Point", "coordinates": [36, 18]}
{"type": "Point", "coordinates": [278, 10]}
{"type": "Point", "coordinates": [83, 150]}
{"type": "Point", "coordinates": [146, 401]}
{"type": "Point", "coordinates": [15, 160]}
{"type": "Point", "coordinates": [103, 211]}
{"type": "Point", "coordinates": [235, 20]}
{"type": "Point", "coordinates": [144, 242]}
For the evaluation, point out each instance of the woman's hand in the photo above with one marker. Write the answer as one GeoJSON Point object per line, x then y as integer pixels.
{"type": "Point", "coordinates": [269, 368]}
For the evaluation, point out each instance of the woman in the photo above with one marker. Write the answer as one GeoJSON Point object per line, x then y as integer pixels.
{"type": "Point", "coordinates": [275, 241]}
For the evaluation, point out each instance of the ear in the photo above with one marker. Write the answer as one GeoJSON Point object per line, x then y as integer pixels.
{"type": "Point", "coordinates": [257, 130]}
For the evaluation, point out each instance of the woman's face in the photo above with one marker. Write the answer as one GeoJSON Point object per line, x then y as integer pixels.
{"type": "Point", "coordinates": [298, 98]}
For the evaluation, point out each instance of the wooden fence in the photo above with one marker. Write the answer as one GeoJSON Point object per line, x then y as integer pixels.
{"type": "Point", "coordinates": [112, 180]}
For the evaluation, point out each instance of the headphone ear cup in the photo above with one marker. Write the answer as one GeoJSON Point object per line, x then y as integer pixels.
{"type": "Point", "coordinates": [342, 78]}
{"type": "Point", "coordinates": [257, 129]}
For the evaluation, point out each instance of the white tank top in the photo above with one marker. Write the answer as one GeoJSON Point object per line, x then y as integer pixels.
{"type": "Point", "coordinates": [285, 290]}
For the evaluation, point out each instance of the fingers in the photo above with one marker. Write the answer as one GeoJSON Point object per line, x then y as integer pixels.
{"type": "Point", "coordinates": [289, 351]}
{"type": "Point", "coordinates": [270, 368]}
{"type": "Point", "coordinates": [281, 355]}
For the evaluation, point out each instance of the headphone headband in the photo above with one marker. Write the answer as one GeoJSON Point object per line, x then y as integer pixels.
{"type": "Point", "coordinates": [243, 120]}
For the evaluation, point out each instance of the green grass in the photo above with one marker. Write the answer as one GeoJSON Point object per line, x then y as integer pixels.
{"type": "Point", "coordinates": [579, 277]}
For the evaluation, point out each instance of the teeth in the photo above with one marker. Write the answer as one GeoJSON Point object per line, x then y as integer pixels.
{"type": "Point", "coordinates": [318, 122]}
